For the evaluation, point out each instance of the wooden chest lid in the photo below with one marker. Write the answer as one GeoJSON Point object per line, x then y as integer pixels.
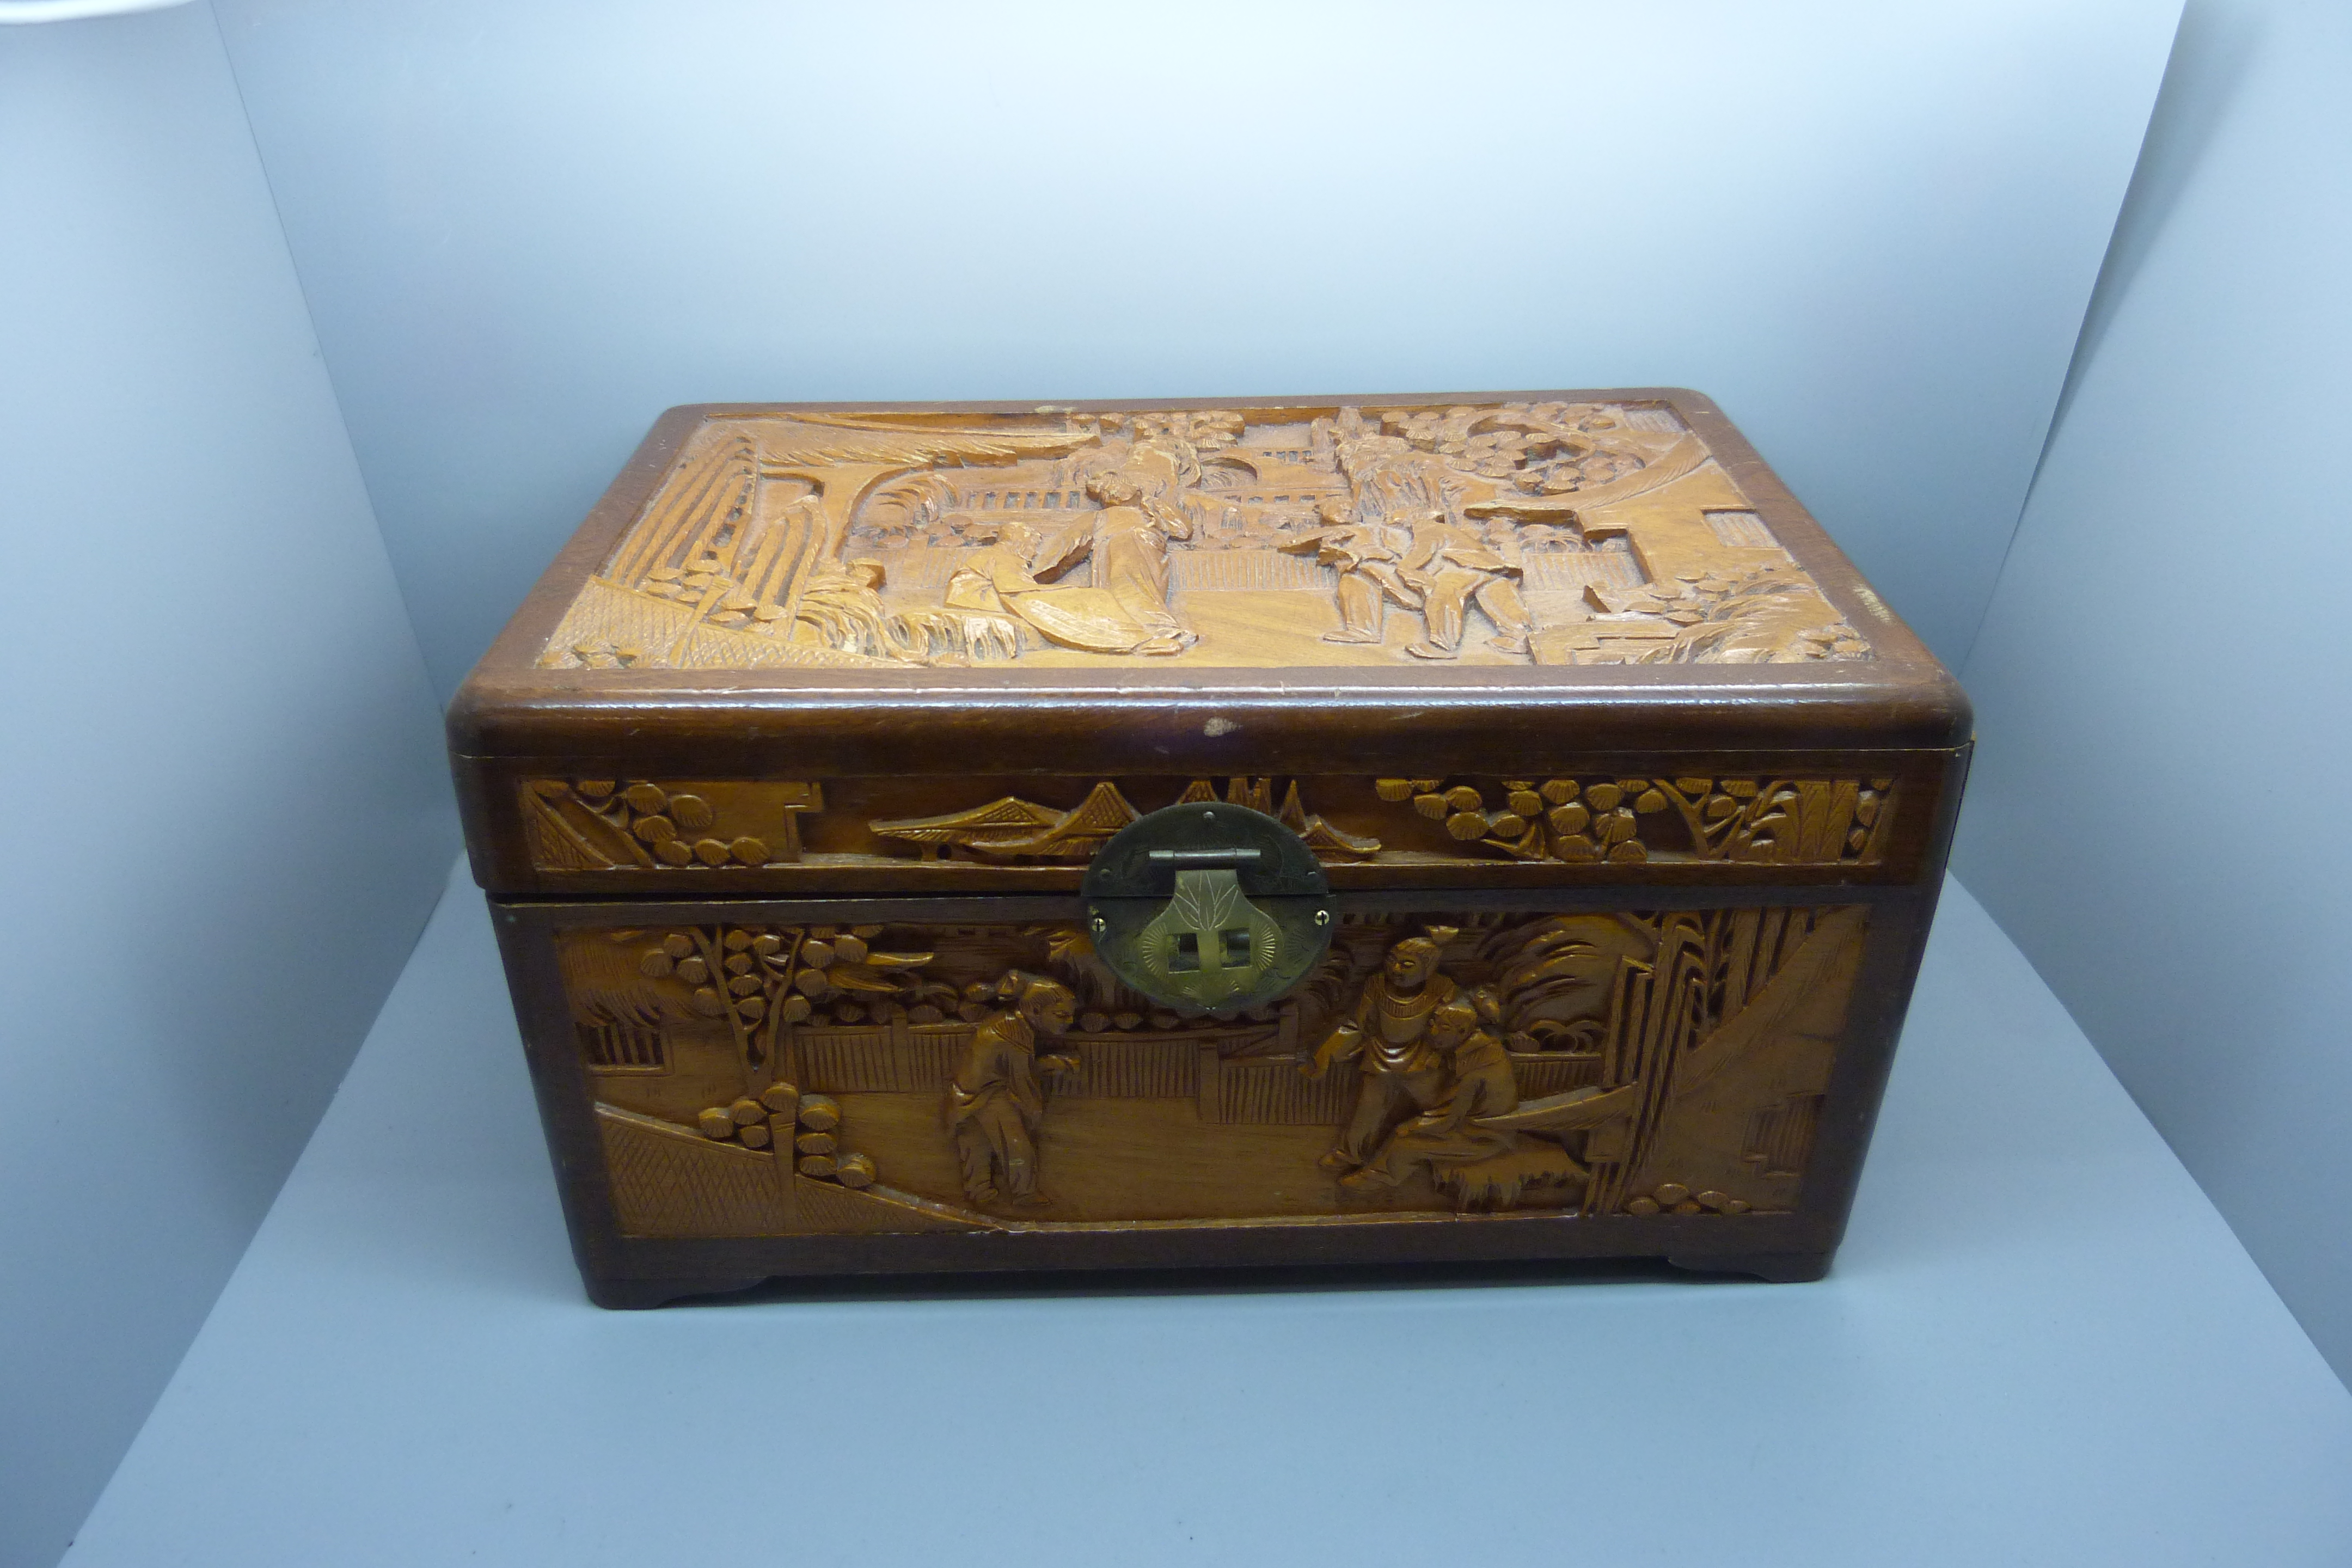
{"type": "Point", "coordinates": [1212, 586]}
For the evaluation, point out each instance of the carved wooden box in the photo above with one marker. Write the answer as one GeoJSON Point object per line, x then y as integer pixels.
{"type": "Point", "coordinates": [1615, 805]}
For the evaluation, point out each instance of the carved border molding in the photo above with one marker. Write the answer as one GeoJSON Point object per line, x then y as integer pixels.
{"type": "Point", "coordinates": [582, 825]}
{"type": "Point", "coordinates": [1017, 829]}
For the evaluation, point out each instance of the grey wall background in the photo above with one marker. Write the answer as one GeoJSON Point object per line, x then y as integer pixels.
{"type": "Point", "coordinates": [523, 228]}
{"type": "Point", "coordinates": [226, 817]}
{"type": "Point", "coordinates": [526, 227]}
{"type": "Point", "coordinates": [2162, 683]}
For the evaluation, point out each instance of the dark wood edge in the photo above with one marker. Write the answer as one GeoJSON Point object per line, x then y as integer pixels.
{"type": "Point", "coordinates": [1881, 998]}
{"type": "Point", "coordinates": [1225, 1280]}
{"type": "Point", "coordinates": [1779, 1248]}
{"type": "Point", "coordinates": [1046, 908]}
{"type": "Point", "coordinates": [1137, 726]}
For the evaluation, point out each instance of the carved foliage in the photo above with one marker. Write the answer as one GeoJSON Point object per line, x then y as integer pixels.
{"type": "Point", "coordinates": [1627, 821]}
{"type": "Point", "coordinates": [760, 978]}
{"type": "Point", "coordinates": [1760, 615]}
{"type": "Point", "coordinates": [608, 824]}
{"type": "Point", "coordinates": [718, 1003]}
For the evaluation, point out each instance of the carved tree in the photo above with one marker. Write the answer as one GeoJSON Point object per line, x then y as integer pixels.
{"type": "Point", "coordinates": [760, 979]}
{"type": "Point", "coordinates": [1787, 821]}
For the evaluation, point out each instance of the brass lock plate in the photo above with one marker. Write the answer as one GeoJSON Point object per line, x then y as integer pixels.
{"type": "Point", "coordinates": [1208, 908]}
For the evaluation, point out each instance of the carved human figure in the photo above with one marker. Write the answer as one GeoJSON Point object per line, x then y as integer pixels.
{"type": "Point", "coordinates": [1450, 565]}
{"type": "Point", "coordinates": [1387, 1033]}
{"type": "Point", "coordinates": [996, 1102]}
{"type": "Point", "coordinates": [1015, 559]}
{"type": "Point", "coordinates": [1478, 1082]}
{"type": "Point", "coordinates": [1130, 553]}
{"type": "Point", "coordinates": [1126, 611]}
{"type": "Point", "coordinates": [1366, 555]}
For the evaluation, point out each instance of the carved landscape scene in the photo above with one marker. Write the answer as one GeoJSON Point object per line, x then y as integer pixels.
{"type": "Point", "coordinates": [722, 827]}
{"type": "Point", "coordinates": [774, 1080]}
{"type": "Point", "coordinates": [1507, 533]}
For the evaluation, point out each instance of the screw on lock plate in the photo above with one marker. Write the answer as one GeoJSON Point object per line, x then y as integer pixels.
{"type": "Point", "coordinates": [1208, 908]}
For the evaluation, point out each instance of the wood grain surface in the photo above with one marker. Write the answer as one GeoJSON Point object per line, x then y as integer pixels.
{"type": "Point", "coordinates": [1633, 796]}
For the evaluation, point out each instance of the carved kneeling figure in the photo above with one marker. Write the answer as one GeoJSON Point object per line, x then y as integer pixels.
{"type": "Point", "coordinates": [1483, 1167]}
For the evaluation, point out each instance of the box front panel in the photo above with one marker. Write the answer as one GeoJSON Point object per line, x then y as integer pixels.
{"type": "Point", "coordinates": [758, 1079]}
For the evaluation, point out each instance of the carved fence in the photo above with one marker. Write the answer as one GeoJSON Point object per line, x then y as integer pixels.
{"type": "Point", "coordinates": [923, 1058]}
{"type": "Point", "coordinates": [1212, 571]}
{"type": "Point", "coordinates": [1176, 1064]}
{"type": "Point", "coordinates": [1115, 1069]}
{"type": "Point", "coordinates": [1572, 571]}
{"type": "Point", "coordinates": [1554, 1072]}
{"type": "Point", "coordinates": [923, 569]}
{"type": "Point", "coordinates": [918, 1059]}
{"type": "Point", "coordinates": [1274, 1092]}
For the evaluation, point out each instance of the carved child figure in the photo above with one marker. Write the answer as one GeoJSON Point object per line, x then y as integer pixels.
{"type": "Point", "coordinates": [1130, 557]}
{"type": "Point", "coordinates": [994, 1103]}
{"type": "Point", "coordinates": [1366, 555]}
{"type": "Point", "coordinates": [1125, 611]}
{"type": "Point", "coordinates": [1478, 1083]}
{"type": "Point", "coordinates": [1450, 565]}
{"type": "Point", "coordinates": [1388, 1032]}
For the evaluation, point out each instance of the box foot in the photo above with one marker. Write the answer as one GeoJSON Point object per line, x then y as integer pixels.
{"type": "Point", "coordinates": [1777, 1268]}
{"type": "Point", "coordinates": [632, 1295]}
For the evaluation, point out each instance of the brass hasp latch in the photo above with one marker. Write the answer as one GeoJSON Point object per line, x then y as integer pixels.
{"type": "Point", "coordinates": [1208, 908]}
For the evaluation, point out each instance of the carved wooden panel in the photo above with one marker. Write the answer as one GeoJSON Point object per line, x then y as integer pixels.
{"type": "Point", "coordinates": [780, 1080]}
{"type": "Point", "coordinates": [1775, 821]}
{"type": "Point", "coordinates": [1498, 533]}
{"type": "Point", "coordinates": [1584, 817]}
